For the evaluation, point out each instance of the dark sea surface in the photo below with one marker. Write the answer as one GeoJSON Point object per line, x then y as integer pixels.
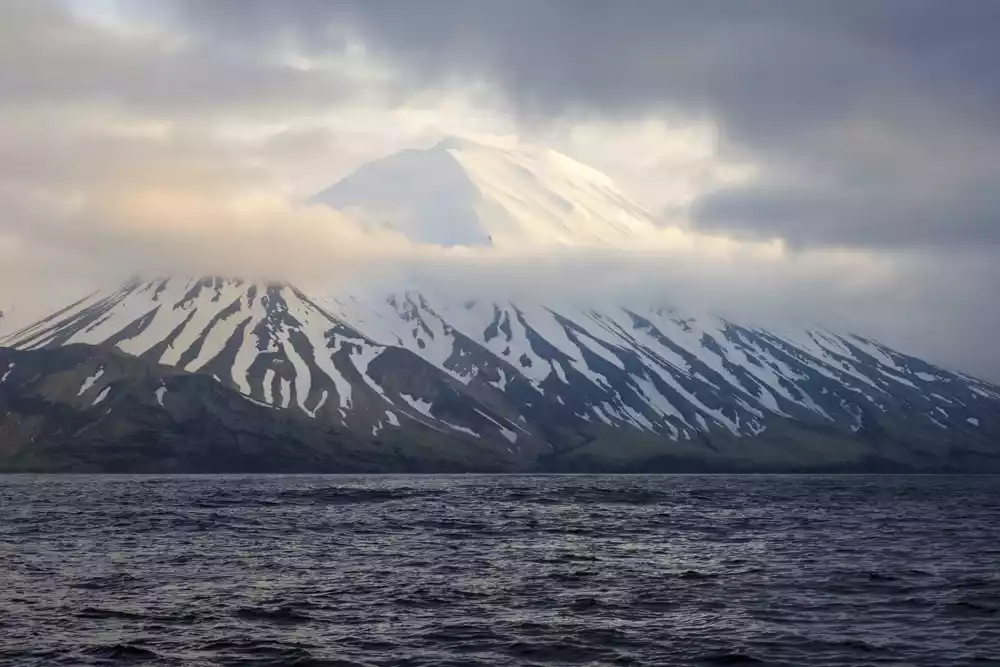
{"type": "Point", "coordinates": [500, 570]}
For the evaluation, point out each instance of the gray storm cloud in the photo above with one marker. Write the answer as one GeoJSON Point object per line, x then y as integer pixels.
{"type": "Point", "coordinates": [872, 126]}
{"type": "Point", "coordinates": [875, 122]}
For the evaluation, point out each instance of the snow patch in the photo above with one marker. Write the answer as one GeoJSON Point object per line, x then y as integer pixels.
{"type": "Point", "coordinates": [501, 384]}
{"type": "Point", "coordinates": [269, 386]}
{"type": "Point", "coordinates": [560, 373]}
{"type": "Point", "coordinates": [505, 432]}
{"type": "Point", "coordinates": [984, 393]}
{"type": "Point", "coordinates": [303, 378]}
{"type": "Point", "coordinates": [418, 404]}
{"type": "Point", "coordinates": [325, 364]}
{"type": "Point", "coordinates": [100, 397]}
{"type": "Point", "coordinates": [286, 393]}
{"type": "Point", "coordinates": [362, 357]}
{"type": "Point", "coordinates": [461, 429]}
{"type": "Point", "coordinates": [256, 402]}
{"type": "Point", "coordinates": [89, 382]}
{"type": "Point", "coordinates": [322, 401]}
{"type": "Point", "coordinates": [600, 415]}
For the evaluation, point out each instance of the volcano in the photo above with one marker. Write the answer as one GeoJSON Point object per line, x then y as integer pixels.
{"type": "Point", "coordinates": [410, 379]}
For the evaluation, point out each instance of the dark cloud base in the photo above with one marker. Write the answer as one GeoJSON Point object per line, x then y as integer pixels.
{"type": "Point", "coordinates": [876, 123]}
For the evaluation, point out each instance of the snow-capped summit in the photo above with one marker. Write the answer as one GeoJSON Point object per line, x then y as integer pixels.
{"type": "Point", "coordinates": [473, 192]}
{"type": "Point", "coordinates": [587, 386]}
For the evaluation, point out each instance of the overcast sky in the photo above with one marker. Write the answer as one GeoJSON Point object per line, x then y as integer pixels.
{"type": "Point", "coordinates": [860, 137]}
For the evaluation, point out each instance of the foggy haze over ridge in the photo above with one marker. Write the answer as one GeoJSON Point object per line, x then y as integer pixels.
{"type": "Point", "coordinates": [188, 136]}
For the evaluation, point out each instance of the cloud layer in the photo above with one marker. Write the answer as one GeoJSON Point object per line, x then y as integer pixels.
{"type": "Point", "coordinates": [860, 138]}
{"type": "Point", "coordinates": [874, 123]}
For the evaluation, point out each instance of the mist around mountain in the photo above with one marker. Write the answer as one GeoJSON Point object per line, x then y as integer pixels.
{"type": "Point", "coordinates": [222, 374]}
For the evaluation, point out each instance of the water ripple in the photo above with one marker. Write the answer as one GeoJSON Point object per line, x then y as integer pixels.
{"type": "Point", "coordinates": [499, 570]}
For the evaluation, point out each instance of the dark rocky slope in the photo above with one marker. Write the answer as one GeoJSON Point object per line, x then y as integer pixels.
{"type": "Point", "coordinates": [85, 408]}
{"type": "Point", "coordinates": [82, 408]}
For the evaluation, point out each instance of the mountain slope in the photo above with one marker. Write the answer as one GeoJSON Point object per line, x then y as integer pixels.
{"type": "Point", "coordinates": [533, 384]}
{"type": "Point", "coordinates": [277, 347]}
{"type": "Point", "coordinates": [539, 383]}
{"type": "Point", "coordinates": [83, 408]}
{"type": "Point", "coordinates": [659, 372]}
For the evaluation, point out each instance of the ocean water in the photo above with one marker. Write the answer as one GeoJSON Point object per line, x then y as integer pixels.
{"type": "Point", "coordinates": [500, 570]}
